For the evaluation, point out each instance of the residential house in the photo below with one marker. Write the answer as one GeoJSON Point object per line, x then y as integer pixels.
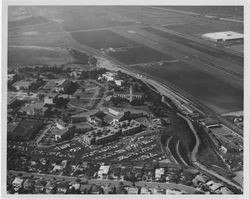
{"type": "Point", "coordinates": [62, 187]}
{"type": "Point", "coordinates": [17, 183]}
{"type": "Point", "coordinates": [50, 187]}
{"type": "Point", "coordinates": [29, 184]}
{"type": "Point", "coordinates": [40, 185]}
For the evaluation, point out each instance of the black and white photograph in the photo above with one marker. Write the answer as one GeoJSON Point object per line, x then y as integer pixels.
{"type": "Point", "coordinates": [124, 99]}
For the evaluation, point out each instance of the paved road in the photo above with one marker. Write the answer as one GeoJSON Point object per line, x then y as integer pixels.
{"type": "Point", "coordinates": [113, 182]}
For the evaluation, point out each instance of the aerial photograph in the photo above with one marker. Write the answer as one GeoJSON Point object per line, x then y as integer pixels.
{"type": "Point", "coordinates": [125, 99]}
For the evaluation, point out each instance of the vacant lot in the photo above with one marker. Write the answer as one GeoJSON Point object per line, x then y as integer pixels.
{"type": "Point", "coordinates": [38, 55]}
{"type": "Point", "coordinates": [27, 129]}
{"type": "Point", "coordinates": [102, 39]}
{"type": "Point", "coordinates": [213, 92]}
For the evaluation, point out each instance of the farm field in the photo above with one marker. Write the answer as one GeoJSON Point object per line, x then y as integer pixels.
{"type": "Point", "coordinates": [201, 85]}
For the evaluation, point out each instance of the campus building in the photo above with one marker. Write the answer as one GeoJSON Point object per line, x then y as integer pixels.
{"type": "Point", "coordinates": [101, 136]}
{"type": "Point", "coordinates": [129, 95]}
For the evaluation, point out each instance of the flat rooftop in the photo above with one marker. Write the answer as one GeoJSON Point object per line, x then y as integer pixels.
{"type": "Point", "coordinates": [226, 35]}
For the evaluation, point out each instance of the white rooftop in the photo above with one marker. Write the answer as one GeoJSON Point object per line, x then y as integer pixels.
{"type": "Point", "coordinates": [227, 35]}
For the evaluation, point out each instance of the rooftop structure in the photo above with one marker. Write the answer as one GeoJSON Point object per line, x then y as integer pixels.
{"type": "Point", "coordinates": [159, 172]}
{"type": "Point", "coordinates": [49, 99]}
{"type": "Point", "coordinates": [132, 127]}
{"type": "Point", "coordinates": [223, 36]}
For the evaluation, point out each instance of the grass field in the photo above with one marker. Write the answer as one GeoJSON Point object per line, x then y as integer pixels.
{"type": "Point", "coordinates": [217, 53]}
{"type": "Point", "coordinates": [221, 11]}
{"type": "Point", "coordinates": [18, 55]}
{"type": "Point", "coordinates": [215, 93]}
{"type": "Point", "coordinates": [137, 55]}
{"type": "Point", "coordinates": [27, 21]}
{"type": "Point", "coordinates": [102, 39]}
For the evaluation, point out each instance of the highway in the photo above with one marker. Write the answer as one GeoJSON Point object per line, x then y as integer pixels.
{"type": "Point", "coordinates": [113, 182]}
{"type": "Point", "coordinates": [202, 167]}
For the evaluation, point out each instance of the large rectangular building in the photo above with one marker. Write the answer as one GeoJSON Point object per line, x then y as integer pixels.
{"type": "Point", "coordinates": [102, 135]}
{"type": "Point", "coordinates": [226, 36]}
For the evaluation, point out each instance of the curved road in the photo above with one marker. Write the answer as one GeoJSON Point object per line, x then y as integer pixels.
{"type": "Point", "coordinates": [202, 167]}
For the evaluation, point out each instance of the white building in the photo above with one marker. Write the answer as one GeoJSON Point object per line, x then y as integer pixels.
{"type": "Point", "coordinates": [17, 183]}
{"type": "Point", "coordinates": [159, 172]}
{"type": "Point", "coordinates": [109, 76]}
{"type": "Point", "coordinates": [103, 170]}
{"type": "Point", "coordinates": [223, 36]}
{"type": "Point", "coordinates": [119, 82]}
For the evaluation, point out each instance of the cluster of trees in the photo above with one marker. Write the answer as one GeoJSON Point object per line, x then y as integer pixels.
{"type": "Point", "coordinates": [35, 85]}
{"type": "Point", "coordinates": [92, 74]}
